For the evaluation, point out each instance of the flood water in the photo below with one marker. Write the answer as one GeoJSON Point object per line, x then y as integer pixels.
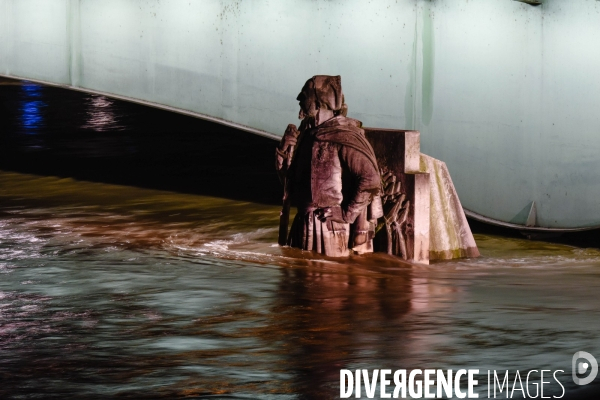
{"type": "Point", "coordinates": [113, 287]}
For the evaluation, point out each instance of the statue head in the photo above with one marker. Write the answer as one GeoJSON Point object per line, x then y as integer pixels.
{"type": "Point", "coordinates": [322, 92]}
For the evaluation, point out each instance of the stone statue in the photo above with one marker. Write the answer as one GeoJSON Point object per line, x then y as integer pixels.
{"type": "Point", "coordinates": [330, 174]}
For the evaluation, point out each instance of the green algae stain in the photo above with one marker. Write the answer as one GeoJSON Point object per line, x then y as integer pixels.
{"type": "Point", "coordinates": [428, 67]}
{"type": "Point", "coordinates": [409, 97]}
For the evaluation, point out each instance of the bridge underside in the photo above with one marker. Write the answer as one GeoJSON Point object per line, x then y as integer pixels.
{"type": "Point", "coordinates": [504, 92]}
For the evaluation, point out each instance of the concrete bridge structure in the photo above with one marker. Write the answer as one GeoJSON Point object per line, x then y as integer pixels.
{"type": "Point", "coordinates": [505, 92]}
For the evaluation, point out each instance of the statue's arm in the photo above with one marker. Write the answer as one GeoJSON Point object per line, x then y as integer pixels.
{"type": "Point", "coordinates": [285, 151]}
{"type": "Point", "coordinates": [367, 182]}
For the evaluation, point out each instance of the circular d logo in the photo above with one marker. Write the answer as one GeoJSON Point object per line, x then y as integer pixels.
{"type": "Point", "coordinates": [580, 367]}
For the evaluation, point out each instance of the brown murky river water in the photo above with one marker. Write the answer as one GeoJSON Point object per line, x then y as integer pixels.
{"type": "Point", "coordinates": [113, 290]}
{"type": "Point", "coordinates": [117, 291]}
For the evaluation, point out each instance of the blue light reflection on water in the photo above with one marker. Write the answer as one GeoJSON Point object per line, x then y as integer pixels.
{"type": "Point", "coordinates": [32, 118]}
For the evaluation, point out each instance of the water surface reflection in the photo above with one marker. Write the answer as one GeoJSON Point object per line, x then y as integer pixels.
{"type": "Point", "coordinates": [58, 132]}
{"type": "Point", "coordinates": [31, 109]}
{"type": "Point", "coordinates": [101, 114]}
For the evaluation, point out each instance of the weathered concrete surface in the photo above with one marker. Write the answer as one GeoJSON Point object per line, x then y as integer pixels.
{"type": "Point", "coordinates": [449, 232]}
{"type": "Point", "coordinates": [422, 218]}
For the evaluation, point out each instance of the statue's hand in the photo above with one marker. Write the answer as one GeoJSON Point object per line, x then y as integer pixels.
{"type": "Point", "coordinates": [290, 138]}
{"type": "Point", "coordinates": [283, 154]}
{"type": "Point", "coordinates": [330, 213]}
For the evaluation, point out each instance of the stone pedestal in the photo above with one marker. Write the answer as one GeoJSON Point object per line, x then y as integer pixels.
{"type": "Point", "coordinates": [423, 216]}
{"type": "Point", "coordinates": [449, 232]}
{"type": "Point", "coordinates": [398, 154]}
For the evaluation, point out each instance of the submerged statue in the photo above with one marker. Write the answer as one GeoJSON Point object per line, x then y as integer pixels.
{"type": "Point", "coordinates": [330, 174]}
{"type": "Point", "coordinates": [364, 189]}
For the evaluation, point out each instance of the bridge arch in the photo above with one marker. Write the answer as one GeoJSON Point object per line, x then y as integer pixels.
{"type": "Point", "coordinates": [504, 92]}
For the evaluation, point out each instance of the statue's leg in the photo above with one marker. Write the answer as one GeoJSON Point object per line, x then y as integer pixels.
{"type": "Point", "coordinates": [298, 232]}
{"type": "Point", "coordinates": [335, 238]}
{"type": "Point", "coordinates": [317, 240]}
{"type": "Point", "coordinates": [361, 234]}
